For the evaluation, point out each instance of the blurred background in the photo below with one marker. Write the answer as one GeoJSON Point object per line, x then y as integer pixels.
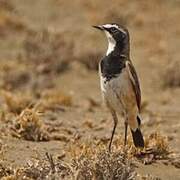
{"type": "Point", "coordinates": [49, 56]}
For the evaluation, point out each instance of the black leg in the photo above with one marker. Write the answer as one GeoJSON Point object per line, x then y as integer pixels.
{"type": "Point", "coordinates": [115, 119]}
{"type": "Point", "coordinates": [125, 137]}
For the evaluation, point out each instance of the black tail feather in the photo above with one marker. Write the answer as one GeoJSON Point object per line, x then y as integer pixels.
{"type": "Point", "coordinates": [137, 135]}
{"type": "Point", "coordinates": [137, 138]}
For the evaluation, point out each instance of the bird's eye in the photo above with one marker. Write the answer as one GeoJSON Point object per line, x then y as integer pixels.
{"type": "Point", "coordinates": [113, 29]}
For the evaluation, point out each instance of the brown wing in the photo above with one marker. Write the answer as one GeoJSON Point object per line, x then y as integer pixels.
{"type": "Point", "coordinates": [135, 82]}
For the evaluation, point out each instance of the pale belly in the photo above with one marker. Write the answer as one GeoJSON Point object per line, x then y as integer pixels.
{"type": "Point", "coordinates": [118, 94]}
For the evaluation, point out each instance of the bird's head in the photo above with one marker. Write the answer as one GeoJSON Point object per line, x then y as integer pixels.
{"type": "Point", "coordinates": [116, 35]}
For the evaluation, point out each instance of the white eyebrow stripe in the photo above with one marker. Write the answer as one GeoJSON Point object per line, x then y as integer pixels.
{"type": "Point", "coordinates": [114, 25]}
{"type": "Point", "coordinates": [110, 25]}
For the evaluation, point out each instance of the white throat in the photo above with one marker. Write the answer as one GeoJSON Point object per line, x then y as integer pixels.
{"type": "Point", "coordinates": [111, 43]}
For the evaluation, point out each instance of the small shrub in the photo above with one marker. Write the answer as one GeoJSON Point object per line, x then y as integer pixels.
{"type": "Point", "coordinates": [172, 74]}
{"type": "Point", "coordinates": [48, 52]}
{"type": "Point", "coordinates": [16, 102]}
{"type": "Point", "coordinates": [53, 99]}
{"type": "Point", "coordinates": [30, 127]}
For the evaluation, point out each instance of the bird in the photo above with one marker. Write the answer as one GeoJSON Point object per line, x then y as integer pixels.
{"type": "Point", "coordinates": [119, 82]}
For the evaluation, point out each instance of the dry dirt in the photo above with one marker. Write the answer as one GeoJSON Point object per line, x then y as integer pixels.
{"type": "Point", "coordinates": [50, 101]}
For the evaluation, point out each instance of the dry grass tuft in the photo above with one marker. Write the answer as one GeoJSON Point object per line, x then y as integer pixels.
{"type": "Point", "coordinates": [5, 171]}
{"type": "Point", "coordinates": [159, 143]}
{"type": "Point", "coordinates": [14, 74]}
{"type": "Point", "coordinates": [9, 23]}
{"type": "Point", "coordinates": [6, 5]}
{"type": "Point", "coordinates": [156, 148]}
{"type": "Point", "coordinates": [16, 103]}
{"type": "Point", "coordinates": [45, 169]}
{"type": "Point", "coordinates": [90, 59]}
{"type": "Point", "coordinates": [48, 51]}
{"type": "Point", "coordinates": [92, 161]}
{"type": "Point", "coordinates": [104, 165]}
{"type": "Point", "coordinates": [54, 99]}
{"type": "Point", "coordinates": [172, 74]}
{"type": "Point", "coordinates": [30, 127]}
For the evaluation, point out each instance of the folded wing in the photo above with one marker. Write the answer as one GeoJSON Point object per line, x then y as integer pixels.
{"type": "Point", "coordinates": [135, 82]}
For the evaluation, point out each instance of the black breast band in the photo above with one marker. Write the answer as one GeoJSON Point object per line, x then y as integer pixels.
{"type": "Point", "coordinates": [111, 66]}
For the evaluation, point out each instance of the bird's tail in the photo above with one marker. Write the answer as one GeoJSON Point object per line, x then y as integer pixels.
{"type": "Point", "coordinates": [137, 135]}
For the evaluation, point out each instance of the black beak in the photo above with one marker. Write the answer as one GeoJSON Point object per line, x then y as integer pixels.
{"type": "Point", "coordinates": [99, 27]}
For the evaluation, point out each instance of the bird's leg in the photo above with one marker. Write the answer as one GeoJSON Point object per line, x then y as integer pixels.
{"type": "Point", "coordinates": [115, 119]}
{"type": "Point", "coordinates": [125, 134]}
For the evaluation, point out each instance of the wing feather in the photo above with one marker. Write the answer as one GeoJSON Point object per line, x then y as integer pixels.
{"type": "Point", "coordinates": [135, 82]}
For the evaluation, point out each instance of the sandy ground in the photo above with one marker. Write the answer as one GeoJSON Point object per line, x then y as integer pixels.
{"type": "Point", "coordinates": [48, 47]}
